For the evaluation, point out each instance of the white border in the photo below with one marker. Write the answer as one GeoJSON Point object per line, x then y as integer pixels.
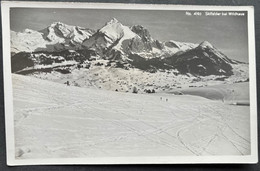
{"type": "Point", "coordinates": [9, 120]}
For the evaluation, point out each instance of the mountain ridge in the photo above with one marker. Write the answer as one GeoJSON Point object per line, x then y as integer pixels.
{"type": "Point", "coordinates": [56, 37]}
{"type": "Point", "coordinates": [114, 46]}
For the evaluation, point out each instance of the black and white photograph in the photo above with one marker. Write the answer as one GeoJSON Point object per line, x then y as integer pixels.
{"type": "Point", "coordinates": [92, 83]}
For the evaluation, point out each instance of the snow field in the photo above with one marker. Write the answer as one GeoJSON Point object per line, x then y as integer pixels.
{"type": "Point", "coordinates": [54, 120]}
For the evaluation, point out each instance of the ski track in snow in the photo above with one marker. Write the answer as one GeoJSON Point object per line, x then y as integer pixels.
{"type": "Point", "coordinates": [55, 120]}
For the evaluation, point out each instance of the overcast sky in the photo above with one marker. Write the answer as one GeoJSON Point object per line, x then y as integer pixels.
{"type": "Point", "coordinates": [227, 33]}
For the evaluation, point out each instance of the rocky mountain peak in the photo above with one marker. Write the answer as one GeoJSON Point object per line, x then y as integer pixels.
{"type": "Point", "coordinates": [112, 26]}
{"type": "Point", "coordinates": [56, 23]}
{"type": "Point", "coordinates": [112, 34]}
{"type": "Point", "coordinates": [112, 21]}
{"type": "Point", "coordinates": [206, 44]}
{"type": "Point", "coordinates": [142, 32]}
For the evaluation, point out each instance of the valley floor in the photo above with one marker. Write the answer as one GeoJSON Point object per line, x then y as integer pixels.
{"type": "Point", "coordinates": [227, 93]}
{"type": "Point", "coordinates": [54, 120]}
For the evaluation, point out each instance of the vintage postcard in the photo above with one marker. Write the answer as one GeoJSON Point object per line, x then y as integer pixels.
{"type": "Point", "coordinates": [93, 83]}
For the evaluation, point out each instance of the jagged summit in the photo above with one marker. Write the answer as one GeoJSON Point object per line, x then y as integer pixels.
{"type": "Point", "coordinates": [112, 21]}
{"type": "Point", "coordinates": [111, 35]}
{"type": "Point", "coordinates": [55, 37]}
{"type": "Point", "coordinates": [206, 44]}
{"type": "Point", "coordinates": [57, 23]}
{"type": "Point", "coordinates": [112, 25]}
{"type": "Point", "coordinates": [58, 29]}
{"type": "Point", "coordinates": [61, 25]}
{"type": "Point", "coordinates": [142, 32]}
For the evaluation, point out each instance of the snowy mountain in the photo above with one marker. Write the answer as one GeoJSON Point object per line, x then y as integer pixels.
{"type": "Point", "coordinates": [110, 39]}
{"type": "Point", "coordinates": [56, 37]}
{"type": "Point", "coordinates": [116, 41]}
{"type": "Point", "coordinates": [88, 58]}
{"type": "Point", "coordinates": [26, 41]}
{"type": "Point", "coordinates": [202, 60]}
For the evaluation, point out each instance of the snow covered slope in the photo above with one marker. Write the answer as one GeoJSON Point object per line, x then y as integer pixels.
{"type": "Point", "coordinates": [227, 93]}
{"type": "Point", "coordinates": [27, 41]}
{"type": "Point", "coordinates": [76, 122]}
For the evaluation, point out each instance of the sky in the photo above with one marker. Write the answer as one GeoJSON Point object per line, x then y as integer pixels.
{"type": "Point", "coordinates": [227, 33]}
